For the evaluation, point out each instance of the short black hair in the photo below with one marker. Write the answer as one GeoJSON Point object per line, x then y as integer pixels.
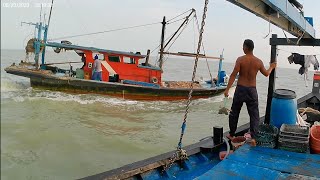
{"type": "Point", "coordinates": [249, 44]}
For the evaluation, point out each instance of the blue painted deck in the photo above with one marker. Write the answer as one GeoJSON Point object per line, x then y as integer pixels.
{"type": "Point", "coordinates": [265, 163]}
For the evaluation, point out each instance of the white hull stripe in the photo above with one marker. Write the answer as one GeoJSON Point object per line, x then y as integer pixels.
{"type": "Point", "coordinates": [108, 67]}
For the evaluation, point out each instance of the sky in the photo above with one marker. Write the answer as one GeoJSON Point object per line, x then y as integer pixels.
{"type": "Point", "coordinates": [227, 25]}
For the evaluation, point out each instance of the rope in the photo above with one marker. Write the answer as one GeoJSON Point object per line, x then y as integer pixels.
{"type": "Point", "coordinates": [176, 21]}
{"type": "Point", "coordinates": [100, 32]}
{"type": "Point", "coordinates": [308, 110]}
{"type": "Point", "coordinates": [119, 29]}
{"type": "Point", "coordinates": [204, 51]}
{"type": "Point", "coordinates": [269, 28]}
{"type": "Point", "coordinates": [175, 39]}
{"type": "Point", "coordinates": [179, 15]}
{"type": "Point", "coordinates": [183, 126]}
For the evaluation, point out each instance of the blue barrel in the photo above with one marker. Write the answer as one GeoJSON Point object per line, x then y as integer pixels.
{"type": "Point", "coordinates": [222, 74]}
{"type": "Point", "coordinates": [283, 107]}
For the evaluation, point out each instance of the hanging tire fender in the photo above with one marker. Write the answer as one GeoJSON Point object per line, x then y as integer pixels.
{"type": "Point", "coordinates": [154, 80]}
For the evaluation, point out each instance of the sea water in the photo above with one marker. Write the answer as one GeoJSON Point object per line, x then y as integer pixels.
{"type": "Point", "coordinates": [56, 135]}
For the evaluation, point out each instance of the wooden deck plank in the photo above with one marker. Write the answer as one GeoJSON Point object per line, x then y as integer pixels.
{"type": "Point", "coordinates": [229, 169]}
{"type": "Point", "coordinates": [279, 160]}
{"type": "Point", "coordinates": [249, 163]}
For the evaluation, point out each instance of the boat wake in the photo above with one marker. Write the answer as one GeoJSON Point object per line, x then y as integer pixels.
{"type": "Point", "coordinates": [20, 91]}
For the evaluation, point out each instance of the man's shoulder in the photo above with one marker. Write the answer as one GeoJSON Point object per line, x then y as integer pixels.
{"type": "Point", "coordinates": [241, 58]}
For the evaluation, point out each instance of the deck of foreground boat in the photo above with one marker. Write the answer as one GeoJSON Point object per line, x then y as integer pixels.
{"type": "Point", "coordinates": [250, 162]}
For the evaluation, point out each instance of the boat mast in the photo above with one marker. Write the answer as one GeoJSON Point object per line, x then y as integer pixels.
{"type": "Point", "coordinates": [163, 33]}
{"type": "Point", "coordinates": [45, 36]}
{"type": "Point", "coordinates": [162, 42]}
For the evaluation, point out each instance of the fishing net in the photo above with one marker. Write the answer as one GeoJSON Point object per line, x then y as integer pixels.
{"type": "Point", "coordinates": [267, 135]}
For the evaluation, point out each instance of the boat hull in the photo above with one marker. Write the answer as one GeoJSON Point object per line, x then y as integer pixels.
{"type": "Point", "coordinates": [125, 91]}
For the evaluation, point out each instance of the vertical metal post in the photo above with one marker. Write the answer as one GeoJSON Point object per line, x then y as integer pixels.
{"type": "Point", "coordinates": [44, 47]}
{"type": "Point", "coordinates": [217, 135]}
{"type": "Point", "coordinates": [162, 42]}
{"type": "Point", "coordinates": [219, 70]}
{"type": "Point", "coordinates": [271, 81]}
{"type": "Point", "coordinates": [37, 45]}
{"type": "Point", "coordinates": [147, 58]}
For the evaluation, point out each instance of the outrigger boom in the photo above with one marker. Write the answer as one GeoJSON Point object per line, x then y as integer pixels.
{"type": "Point", "coordinates": [185, 54]}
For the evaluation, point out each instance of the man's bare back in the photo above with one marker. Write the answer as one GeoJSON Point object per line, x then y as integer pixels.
{"type": "Point", "coordinates": [249, 67]}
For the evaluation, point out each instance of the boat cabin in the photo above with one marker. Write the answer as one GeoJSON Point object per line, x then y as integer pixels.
{"type": "Point", "coordinates": [116, 66]}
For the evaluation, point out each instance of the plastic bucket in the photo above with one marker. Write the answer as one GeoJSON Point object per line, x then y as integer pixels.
{"type": "Point", "coordinates": [315, 139]}
{"type": "Point", "coordinates": [222, 74]}
{"type": "Point", "coordinates": [283, 107]}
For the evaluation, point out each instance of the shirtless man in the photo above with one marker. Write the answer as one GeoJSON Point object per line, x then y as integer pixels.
{"type": "Point", "coordinates": [247, 66]}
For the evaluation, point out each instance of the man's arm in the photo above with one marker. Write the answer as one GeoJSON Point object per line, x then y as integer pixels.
{"type": "Point", "coordinates": [94, 66]}
{"type": "Point", "coordinates": [265, 72]}
{"type": "Point", "coordinates": [233, 75]}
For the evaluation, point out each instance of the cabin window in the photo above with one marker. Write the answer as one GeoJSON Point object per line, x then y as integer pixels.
{"type": "Point", "coordinates": [129, 60]}
{"type": "Point", "coordinates": [114, 58]}
{"type": "Point", "coordinates": [97, 55]}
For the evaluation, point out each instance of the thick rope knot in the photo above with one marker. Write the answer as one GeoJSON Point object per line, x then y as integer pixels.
{"type": "Point", "coordinates": [182, 154]}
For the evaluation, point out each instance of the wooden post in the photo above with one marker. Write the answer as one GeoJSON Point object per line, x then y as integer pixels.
{"type": "Point", "coordinates": [162, 42]}
{"type": "Point", "coordinates": [271, 80]}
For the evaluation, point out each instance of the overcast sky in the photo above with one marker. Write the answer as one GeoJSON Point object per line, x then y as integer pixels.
{"type": "Point", "coordinates": [226, 25]}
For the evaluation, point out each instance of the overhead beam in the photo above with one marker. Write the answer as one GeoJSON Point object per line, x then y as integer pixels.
{"type": "Point", "coordinates": [294, 41]}
{"type": "Point", "coordinates": [280, 13]}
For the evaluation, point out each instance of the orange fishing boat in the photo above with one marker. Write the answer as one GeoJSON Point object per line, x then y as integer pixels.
{"type": "Point", "coordinates": [124, 74]}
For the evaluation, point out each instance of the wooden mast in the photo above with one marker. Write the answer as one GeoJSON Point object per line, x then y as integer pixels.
{"type": "Point", "coordinates": [162, 42]}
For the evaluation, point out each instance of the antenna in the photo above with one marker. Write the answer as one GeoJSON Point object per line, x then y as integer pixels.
{"type": "Point", "coordinates": [50, 12]}
{"type": "Point", "coordinates": [44, 18]}
{"type": "Point", "coordinates": [40, 12]}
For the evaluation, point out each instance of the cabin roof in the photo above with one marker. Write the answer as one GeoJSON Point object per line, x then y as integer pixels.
{"type": "Point", "coordinates": [76, 47]}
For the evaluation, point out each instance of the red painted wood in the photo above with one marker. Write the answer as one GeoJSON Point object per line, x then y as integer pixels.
{"type": "Point", "coordinates": [124, 70]}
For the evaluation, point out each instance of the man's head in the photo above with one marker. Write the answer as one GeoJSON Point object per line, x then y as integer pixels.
{"type": "Point", "coordinates": [248, 46]}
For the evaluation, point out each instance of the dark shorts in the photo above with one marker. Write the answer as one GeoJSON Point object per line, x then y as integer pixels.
{"type": "Point", "coordinates": [249, 96]}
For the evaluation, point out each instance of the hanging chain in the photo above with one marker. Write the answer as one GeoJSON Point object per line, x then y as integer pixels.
{"type": "Point", "coordinates": [181, 154]}
{"type": "Point", "coordinates": [194, 74]}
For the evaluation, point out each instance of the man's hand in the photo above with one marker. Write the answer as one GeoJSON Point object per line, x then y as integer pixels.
{"type": "Point", "coordinates": [273, 65]}
{"type": "Point", "coordinates": [226, 93]}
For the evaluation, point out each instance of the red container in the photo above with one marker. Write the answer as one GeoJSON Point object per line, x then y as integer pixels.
{"type": "Point", "coordinates": [315, 139]}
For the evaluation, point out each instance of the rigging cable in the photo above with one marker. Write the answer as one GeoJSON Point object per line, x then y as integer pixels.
{"type": "Point", "coordinates": [176, 20]}
{"type": "Point", "coordinates": [100, 32]}
{"type": "Point", "coordinates": [186, 24]}
{"type": "Point", "coordinates": [179, 15]}
{"type": "Point", "coordinates": [204, 51]}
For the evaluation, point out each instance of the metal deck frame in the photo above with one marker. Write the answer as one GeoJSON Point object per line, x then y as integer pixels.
{"type": "Point", "coordinates": [274, 42]}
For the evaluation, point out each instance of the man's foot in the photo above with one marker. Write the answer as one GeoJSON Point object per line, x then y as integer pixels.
{"type": "Point", "coordinates": [247, 135]}
{"type": "Point", "coordinates": [253, 142]}
{"type": "Point", "coordinates": [230, 137]}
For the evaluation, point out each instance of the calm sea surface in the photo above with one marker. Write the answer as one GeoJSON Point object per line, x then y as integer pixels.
{"type": "Point", "coordinates": [55, 135]}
